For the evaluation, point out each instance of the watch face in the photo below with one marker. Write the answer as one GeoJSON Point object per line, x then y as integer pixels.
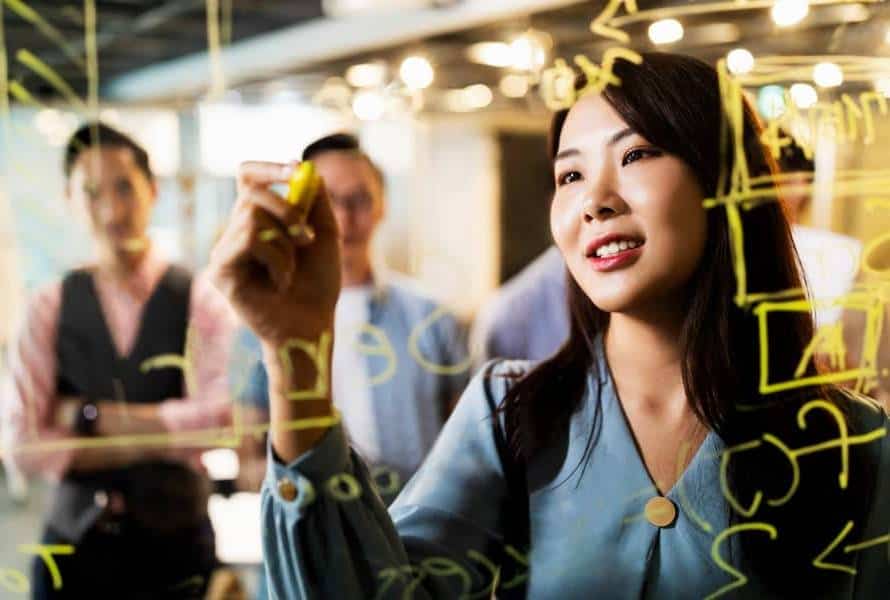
{"type": "Point", "coordinates": [87, 419]}
{"type": "Point", "coordinates": [90, 412]}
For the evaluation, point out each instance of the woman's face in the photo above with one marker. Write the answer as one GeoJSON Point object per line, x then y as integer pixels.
{"type": "Point", "coordinates": [627, 217]}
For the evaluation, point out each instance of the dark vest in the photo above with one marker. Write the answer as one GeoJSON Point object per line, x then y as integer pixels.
{"type": "Point", "coordinates": [88, 362]}
{"type": "Point", "coordinates": [89, 366]}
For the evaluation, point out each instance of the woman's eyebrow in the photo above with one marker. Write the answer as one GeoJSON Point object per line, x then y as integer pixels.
{"type": "Point", "coordinates": [565, 154]}
{"type": "Point", "coordinates": [617, 137]}
{"type": "Point", "coordinates": [620, 135]}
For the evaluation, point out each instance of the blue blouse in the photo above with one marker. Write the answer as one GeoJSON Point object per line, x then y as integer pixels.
{"type": "Point", "coordinates": [590, 534]}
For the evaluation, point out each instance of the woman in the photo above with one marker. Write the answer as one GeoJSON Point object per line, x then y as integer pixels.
{"type": "Point", "coordinates": [640, 460]}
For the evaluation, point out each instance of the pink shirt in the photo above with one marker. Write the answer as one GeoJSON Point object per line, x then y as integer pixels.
{"type": "Point", "coordinates": [29, 408]}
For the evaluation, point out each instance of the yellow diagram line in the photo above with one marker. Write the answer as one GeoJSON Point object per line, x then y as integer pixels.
{"type": "Point", "coordinates": [218, 83]}
{"type": "Point", "coordinates": [4, 80]}
{"type": "Point", "coordinates": [31, 16]}
{"type": "Point", "coordinates": [712, 7]}
{"type": "Point", "coordinates": [92, 56]}
{"type": "Point", "coordinates": [199, 437]}
{"type": "Point", "coordinates": [49, 75]}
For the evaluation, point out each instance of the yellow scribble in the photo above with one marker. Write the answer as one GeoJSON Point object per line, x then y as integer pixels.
{"type": "Point", "coordinates": [49, 75]}
{"type": "Point", "coordinates": [318, 353]}
{"type": "Point", "coordinates": [440, 566]}
{"type": "Point", "coordinates": [557, 82]}
{"type": "Point", "coordinates": [15, 581]}
{"type": "Point", "coordinates": [92, 56]}
{"type": "Point", "coordinates": [430, 366]}
{"type": "Point", "coordinates": [740, 578]}
{"type": "Point", "coordinates": [819, 561]}
{"type": "Point", "coordinates": [217, 76]}
{"type": "Point", "coordinates": [878, 541]}
{"type": "Point", "coordinates": [601, 24]}
{"type": "Point", "coordinates": [724, 480]}
{"type": "Point", "coordinates": [336, 484]}
{"type": "Point", "coordinates": [558, 86]}
{"type": "Point", "coordinates": [844, 441]}
{"type": "Point", "coordinates": [870, 304]}
{"type": "Point", "coordinates": [522, 560]}
{"type": "Point", "coordinates": [46, 553]}
{"type": "Point", "coordinates": [393, 480]}
{"type": "Point", "coordinates": [717, 8]}
{"type": "Point", "coordinates": [495, 571]}
{"type": "Point", "coordinates": [31, 16]}
{"type": "Point", "coordinates": [4, 79]}
{"type": "Point", "coordinates": [383, 348]}
{"type": "Point", "coordinates": [828, 341]}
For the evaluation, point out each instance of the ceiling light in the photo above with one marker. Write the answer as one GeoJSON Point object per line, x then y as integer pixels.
{"type": "Point", "coordinates": [739, 61]}
{"type": "Point", "coordinates": [514, 86]}
{"type": "Point", "coordinates": [827, 74]}
{"type": "Point", "coordinates": [529, 50]}
{"type": "Point", "coordinates": [804, 95]}
{"type": "Point", "coordinates": [666, 31]}
{"type": "Point", "coordinates": [789, 12]}
{"type": "Point", "coordinates": [478, 95]}
{"type": "Point", "coordinates": [371, 74]}
{"type": "Point", "coordinates": [416, 72]}
{"type": "Point", "coordinates": [368, 105]}
{"type": "Point", "coordinates": [470, 98]}
{"type": "Point", "coordinates": [493, 54]}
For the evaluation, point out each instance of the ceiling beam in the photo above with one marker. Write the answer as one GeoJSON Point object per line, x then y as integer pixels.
{"type": "Point", "coordinates": [312, 42]}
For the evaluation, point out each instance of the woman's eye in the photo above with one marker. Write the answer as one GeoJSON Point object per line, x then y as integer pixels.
{"type": "Point", "coordinates": [567, 178]}
{"type": "Point", "coordinates": [638, 153]}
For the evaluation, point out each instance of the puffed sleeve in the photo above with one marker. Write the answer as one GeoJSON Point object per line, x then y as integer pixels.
{"type": "Point", "coordinates": [326, 534]}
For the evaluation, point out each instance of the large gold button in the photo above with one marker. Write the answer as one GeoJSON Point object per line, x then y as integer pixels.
{"type": "Point", "coordinates": [660, 511]}
{"type": "Point", "coordinates": [286, 489]}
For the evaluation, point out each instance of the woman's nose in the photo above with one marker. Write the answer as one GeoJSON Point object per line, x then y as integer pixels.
{"type": "Point", "coordinates": [601, 206]}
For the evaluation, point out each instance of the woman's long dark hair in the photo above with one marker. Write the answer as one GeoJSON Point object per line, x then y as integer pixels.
{"type": "Point", "coordinates": [675, 103]}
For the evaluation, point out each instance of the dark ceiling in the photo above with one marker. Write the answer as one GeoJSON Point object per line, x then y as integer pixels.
{"type": "Point", "coordinates": [134, 34]}
{"type": "Point", "coordinates": [130, 33]}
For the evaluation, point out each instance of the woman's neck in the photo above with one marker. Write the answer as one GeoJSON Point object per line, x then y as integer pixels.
{"type": "Point", "coordinates": [646, 360]}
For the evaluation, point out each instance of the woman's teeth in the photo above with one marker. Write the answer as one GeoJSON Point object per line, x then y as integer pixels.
{"type": "Point", "coordinates": [616, 247]}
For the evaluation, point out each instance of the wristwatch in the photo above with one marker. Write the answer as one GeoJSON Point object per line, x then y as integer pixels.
{"type": "Point", "coordinates": [86, 422]}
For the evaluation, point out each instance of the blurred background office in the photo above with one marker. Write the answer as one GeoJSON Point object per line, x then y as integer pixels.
{"type": "Point", "coordinates": [444, 96]}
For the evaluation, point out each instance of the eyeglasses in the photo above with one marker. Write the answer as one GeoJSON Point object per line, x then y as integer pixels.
{"type": "Point", "coordinates": [361, 201]}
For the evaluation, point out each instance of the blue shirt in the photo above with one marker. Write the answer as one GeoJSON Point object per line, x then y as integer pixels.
{"type": "Point", "coordinates": [416, 373]}
{"type": "Point", "coordinates": [589, 534]}
{"type": "Point", "coordinates": [529, 316]}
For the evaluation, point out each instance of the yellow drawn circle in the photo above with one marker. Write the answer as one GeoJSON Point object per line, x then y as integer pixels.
{"type": "Point", "coordinates": [344, 487]}
{"type": "Point", "coordinates": [15, 581]}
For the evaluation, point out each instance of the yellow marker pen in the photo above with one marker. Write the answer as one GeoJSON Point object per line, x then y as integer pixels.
{"type": "Point", "coordinates": [302, 188]}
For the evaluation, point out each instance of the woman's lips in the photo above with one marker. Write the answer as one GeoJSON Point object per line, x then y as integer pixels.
{"type": "Point", "coordinates": [616, 261]}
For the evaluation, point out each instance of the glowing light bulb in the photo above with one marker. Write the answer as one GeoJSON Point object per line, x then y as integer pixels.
{"type": "Point", "coordinates": [827, 74]}
{"type": "Point", "coordinates": [416, 72]}
{"type": "Point", "coordinates": [786, 13]}
{"type": "Point", "coordinates": [666, 31]}
{"type": "Point", "coordinates": [739, 61]}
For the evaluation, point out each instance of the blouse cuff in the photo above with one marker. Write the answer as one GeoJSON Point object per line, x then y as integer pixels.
{"type": "Point", "coordinates": [297, 483]}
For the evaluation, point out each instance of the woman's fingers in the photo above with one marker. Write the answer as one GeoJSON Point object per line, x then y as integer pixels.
{"type": "Point", "coordinates": [263, 174]}
{"type": "Point", "coordinates": [247, 240]}
{"type": "Point", "coordinates": [321, 217]}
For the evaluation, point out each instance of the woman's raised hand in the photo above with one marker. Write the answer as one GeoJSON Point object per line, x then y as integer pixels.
{"type": "Point", "coordinates": [282, 283]}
